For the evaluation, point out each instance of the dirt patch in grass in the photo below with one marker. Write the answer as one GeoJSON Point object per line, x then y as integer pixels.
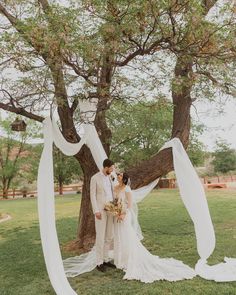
{"type": "Point", "coordinates": [4, 217]}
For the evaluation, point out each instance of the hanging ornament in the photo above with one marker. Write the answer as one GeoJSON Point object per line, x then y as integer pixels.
{"type": "Point", "coordinates": [18, 125]}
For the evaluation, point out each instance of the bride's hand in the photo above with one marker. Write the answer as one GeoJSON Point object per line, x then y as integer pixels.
{"type": "Point", "coordinates": [121, 217]}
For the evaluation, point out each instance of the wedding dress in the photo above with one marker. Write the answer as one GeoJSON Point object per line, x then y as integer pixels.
{"type": "Point", "coordinates": [135, 260]}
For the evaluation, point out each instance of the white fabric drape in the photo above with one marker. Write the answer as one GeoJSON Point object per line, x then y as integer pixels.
{"type": "Point", "coordinates": [194, 199]}
{"type": "Point", "coordinates": [95, 145]}
{"type": "Point", "coordinates": [46, 211]}
{"type": "Point", "coordinates": [137, 196]}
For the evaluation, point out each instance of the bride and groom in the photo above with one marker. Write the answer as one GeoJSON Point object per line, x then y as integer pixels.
{"type": "Point", "coordinates": [118, 234]}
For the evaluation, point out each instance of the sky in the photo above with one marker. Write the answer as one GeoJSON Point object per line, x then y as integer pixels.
{"type": "Point", "coordinates": [220, 122]}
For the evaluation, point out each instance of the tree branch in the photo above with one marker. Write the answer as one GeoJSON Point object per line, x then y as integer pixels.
{"type": "Point", "coordinates": [207, 5]}
{"type": "Point", "coordinates": [225, 86]}
{"type": "Point", "coordinates": [21, 111]}
{"type": "Point", "coordinates": [45, 5]}
{"type": "Point", "coordinates": [10, 17]}
{"type": "Point", "coordinates": [74, 105]}
{"type": "Point", "coordinates": [80, 72]}
{"type": "Point", "coordinates": [140, 51]}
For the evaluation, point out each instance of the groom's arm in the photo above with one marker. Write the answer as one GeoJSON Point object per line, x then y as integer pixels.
{"type": "Point", "coordinates": [93, 195]}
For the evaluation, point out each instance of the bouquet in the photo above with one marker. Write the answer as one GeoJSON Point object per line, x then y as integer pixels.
{"type": "Point", "coordinates": [115, 208]}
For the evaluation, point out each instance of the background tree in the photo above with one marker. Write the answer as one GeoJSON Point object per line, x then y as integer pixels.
{"type": "Point", "coordinates": [97, 49]}
{"type": "Point", "coordinates": [15, 154]}
{"type": "Point", "coordinates": [65, 169]}
{"type": "Point", "coordinates": [196, 149]}
{"type": "Point", "coordinates": [224, 157]}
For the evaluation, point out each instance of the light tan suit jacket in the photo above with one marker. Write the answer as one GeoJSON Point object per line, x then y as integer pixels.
{"type": "Point", "coordinates": [97, 192]}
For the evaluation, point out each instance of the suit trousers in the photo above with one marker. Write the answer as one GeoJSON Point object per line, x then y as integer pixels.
{"type": "Point", "coordinates": [104, 236]}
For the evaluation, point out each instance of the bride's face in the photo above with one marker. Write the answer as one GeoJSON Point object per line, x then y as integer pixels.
{"type": "Point", "coordinates": [119, 176]}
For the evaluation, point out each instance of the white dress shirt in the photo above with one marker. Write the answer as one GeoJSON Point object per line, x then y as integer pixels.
{"type": "Point", "coordinates": [107, 187]}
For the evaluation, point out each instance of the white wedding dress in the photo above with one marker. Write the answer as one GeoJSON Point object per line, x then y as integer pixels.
{"type": "Point", "coordinates": [136, 261]}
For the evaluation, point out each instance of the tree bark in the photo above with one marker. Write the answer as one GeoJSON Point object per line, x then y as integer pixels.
{"type": "Point", "coordinates": [5, 192]}
{"type": "Point", "coordinates": [60, 188]}
{"type": "Point", "coordinates": [85, 236]}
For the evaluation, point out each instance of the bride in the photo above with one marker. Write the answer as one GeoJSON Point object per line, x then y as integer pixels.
{"type": "Point", "coordinates": [129, 253]}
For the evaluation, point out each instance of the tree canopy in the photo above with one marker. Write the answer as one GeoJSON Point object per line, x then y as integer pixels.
{"type": "Point", "coordinates": [224, 157]}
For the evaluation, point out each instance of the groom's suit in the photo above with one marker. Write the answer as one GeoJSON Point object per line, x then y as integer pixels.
{"type": "Point", "coordinates": [101, 192]}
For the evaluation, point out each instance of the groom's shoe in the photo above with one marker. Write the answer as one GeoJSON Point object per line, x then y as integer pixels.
{"type": "Point", "coordinates": [109, 264]}
{"type": "Point", "coordinates": [101, 268]}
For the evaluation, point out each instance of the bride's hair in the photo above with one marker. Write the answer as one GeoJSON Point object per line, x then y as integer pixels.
{"type": "Point", "coordinates": [126, 179]}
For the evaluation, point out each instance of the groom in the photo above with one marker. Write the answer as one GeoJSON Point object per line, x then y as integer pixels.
{"type": "Point", "coordinates": [101, 192]}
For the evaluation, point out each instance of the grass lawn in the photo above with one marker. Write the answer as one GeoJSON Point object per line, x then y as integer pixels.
{"type": "Point", "coordinates": [167, 229]}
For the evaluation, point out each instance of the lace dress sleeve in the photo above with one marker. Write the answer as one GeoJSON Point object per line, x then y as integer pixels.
{"type": "Point", "coordinates": [128, 196]}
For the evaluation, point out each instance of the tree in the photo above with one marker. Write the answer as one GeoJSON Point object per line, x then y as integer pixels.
{"type": "Point", "coordinates": [224, 158]}
{"type": "Point", "coordinates": [196, 149]}
{"type": "Point", "coordinates": [65, 169]}
{"type": "Point", "coordinates": [15, 162]}
{"type": "Point", "coordinates": [84, 50]}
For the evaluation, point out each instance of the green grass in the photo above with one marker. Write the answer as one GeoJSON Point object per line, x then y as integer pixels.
{"type": "Point", "coordinates": [167, 229]}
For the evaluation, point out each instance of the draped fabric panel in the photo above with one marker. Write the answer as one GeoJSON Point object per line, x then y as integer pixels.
{"type": "Point", "coordinates": [194, 199]}
{"type": "Point", "coordinates": [46, 211]}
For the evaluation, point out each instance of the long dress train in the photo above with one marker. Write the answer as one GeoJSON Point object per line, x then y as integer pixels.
{"type": "Point", "coordinates": [136, 261]}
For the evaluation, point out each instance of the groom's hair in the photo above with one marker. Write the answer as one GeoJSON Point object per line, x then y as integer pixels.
{"type": "Point", "coordinates": [107, 163]}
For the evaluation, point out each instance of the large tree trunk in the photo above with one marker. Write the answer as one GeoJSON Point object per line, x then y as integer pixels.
{"type": "Point", "coordinates": [86, 227]}
{"type": "Point", "coordinates": [85, 236]}
{"type": "Point", "coordinates": [148, 170]}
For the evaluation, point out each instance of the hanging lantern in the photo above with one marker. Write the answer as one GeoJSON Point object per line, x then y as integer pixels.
{"type": "Point", "coordinates": [18, 125]}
